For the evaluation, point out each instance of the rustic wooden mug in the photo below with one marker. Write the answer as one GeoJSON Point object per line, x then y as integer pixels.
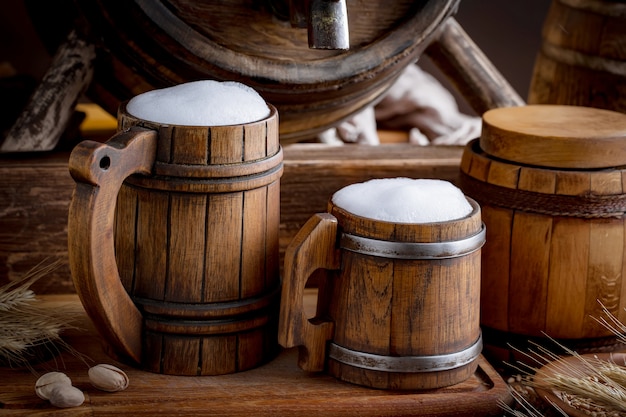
{"type": "Point", "coordinates": [552, 186]}
{"type": "Point", "coordinates": [398, 307]}
{"type": "Point", "coordinates": [173, 243]}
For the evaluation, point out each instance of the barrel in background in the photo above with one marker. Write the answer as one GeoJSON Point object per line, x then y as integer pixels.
{"type": "Point", "coordinates": [582, 60]}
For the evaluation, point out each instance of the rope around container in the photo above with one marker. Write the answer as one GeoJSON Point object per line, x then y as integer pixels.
{"type": "Point", "coordinates": [584, 206]}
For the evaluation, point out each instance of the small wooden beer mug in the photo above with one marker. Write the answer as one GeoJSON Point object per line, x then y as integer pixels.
{"type": "Point", "coordinates": [181, 276]}
{"type": "Point", "coordinates": [398, 307]}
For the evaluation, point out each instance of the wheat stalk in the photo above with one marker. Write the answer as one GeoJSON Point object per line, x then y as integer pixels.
{"type": "Point", "coordinates": [598, 386]}
{"type": "Point", "coordinates": [24, 324]}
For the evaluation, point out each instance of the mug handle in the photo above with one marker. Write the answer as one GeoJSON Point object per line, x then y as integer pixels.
{"type": "Point", "coordinates": [313, 247]}
{"type": "Point", "coordinates": [99, 169]}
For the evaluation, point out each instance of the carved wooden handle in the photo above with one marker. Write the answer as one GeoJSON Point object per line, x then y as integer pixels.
{"type": "Point", "coordinates": [99, 171]}
{"type": "Point", "coordinates": [313, 247]}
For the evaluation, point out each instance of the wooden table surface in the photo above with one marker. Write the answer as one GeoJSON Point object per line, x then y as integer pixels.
{"type": "Point", "coordinates": [278, 388]}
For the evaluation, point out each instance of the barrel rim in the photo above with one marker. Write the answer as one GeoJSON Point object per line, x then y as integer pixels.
{"type": "Point", "coordinates": [414, 250]}
{"type": "Point", "coordinates": [409, 232]}
{"type": "Point", "coordinates": [413, 32]}
{"type": "Point", "coordinates": [306, 105]}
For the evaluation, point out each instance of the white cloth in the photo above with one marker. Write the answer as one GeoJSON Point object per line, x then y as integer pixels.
{"type": "Point", "coordinates": [360, 128]}
{"type": "Point", "coordinates": [417, 103]}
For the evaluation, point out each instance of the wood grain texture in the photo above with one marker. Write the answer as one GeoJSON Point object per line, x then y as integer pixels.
{"type": "Point", "coordinates": [555, 136]}
{"type": "Point", "coordinates": [45, 118]}
{"type": "Point", "coordinates": [312, 248]}
{"type": "Point", "coordinates": [555, 228]}
{"type": "Point", "coordinates": [99, 171]}
{"type": "Point", "coordinates": [277, 388]}
{"type": "Point", "coordinates": [583, 55]}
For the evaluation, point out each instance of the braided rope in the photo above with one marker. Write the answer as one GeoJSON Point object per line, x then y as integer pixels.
{"type": "Point", "coordinates": [583, 206]}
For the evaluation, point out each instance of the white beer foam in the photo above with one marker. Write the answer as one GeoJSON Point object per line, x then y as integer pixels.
{"type": "Point", "coordinates": [200, 103]}
{"type": "Point", "coordinates": [404, 200]}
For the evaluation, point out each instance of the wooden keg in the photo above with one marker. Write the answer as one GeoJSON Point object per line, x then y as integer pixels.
{"type": "Point", "coordinates": [552, 186]}
{"type": "Point", "coordinates": [193, 286]}
{"type": "Point", "coordinates": [143, 45]}
{"type": "Point", "coordinates": [399, 307]}
{"type": "Point", "coordinates": [582, 60]}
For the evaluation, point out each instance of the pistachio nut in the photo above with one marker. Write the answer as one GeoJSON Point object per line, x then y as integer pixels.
{"type": "Point", "coordinates": [47, 381]}
{"type": "Point", "coordinates": [64, 396]}
{"type": "Point", "coordinates": [108, 378]}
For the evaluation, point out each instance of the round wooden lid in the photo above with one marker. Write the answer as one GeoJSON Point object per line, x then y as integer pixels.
{"type": "Point", "coordinates": [555, 136]}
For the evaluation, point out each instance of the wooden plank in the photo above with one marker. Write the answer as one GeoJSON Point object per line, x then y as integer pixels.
{"type": "Point", "coordinates": [223, 272]}
{"type": "Point", "coordinates": [185, 279]}
{"type": "Point", "coordinates": [277, 388]}
{"type": "Point", "coordinates": [496, 269]}
{"type": "Point", "coordinates": [253, 243]}
{"type": "Point", "coordinates": [604, 279]}
{"type": "Point", "coordinates": [528, 282]}
{"type": "Point", "coordinates": [151, 280]}
{"type": "Point", "coordinates": [567, 277]}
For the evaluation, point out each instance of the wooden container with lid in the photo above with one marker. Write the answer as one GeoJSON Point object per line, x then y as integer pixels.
{"type": "Point", "coordinates": [551, 182]}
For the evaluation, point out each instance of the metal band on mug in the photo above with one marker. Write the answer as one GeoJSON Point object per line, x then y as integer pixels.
{"type": "Point", "coordinates": [405, 364]}
{"type": "Point", "coordinates": [413, 250]}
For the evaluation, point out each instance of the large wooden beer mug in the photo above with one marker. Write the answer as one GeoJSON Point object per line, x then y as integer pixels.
{"type": "Point", "coordinates": [194, 236]}
{"type": "Point", "coordinates": [399, 305]}
{"type": "Point", "coordinates": [551, 183]}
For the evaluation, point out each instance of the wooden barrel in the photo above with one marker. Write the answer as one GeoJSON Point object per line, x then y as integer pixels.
{"type": "Point", "coordinates": [400, 307]}
{"type": "Point", "coordinates": [143, 45]}
{"type": "Point", "coordinates": [178, 264]}
{"type": "Point", "coordinates": [551, 183]}
{"type": "Point", "coordinates": [582, 60]}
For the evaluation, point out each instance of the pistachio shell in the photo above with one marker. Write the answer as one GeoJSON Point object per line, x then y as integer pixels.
{"type": "Point", "coordinates": [46, 382]}
{"type": "Point", "coordinates": [64, 396]}
{"type": "Point", "coordinates": [108, 378]}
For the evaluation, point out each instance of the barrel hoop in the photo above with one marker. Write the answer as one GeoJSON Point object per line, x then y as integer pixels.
{"type": "Point", "coordinates": [196, 328]}
{"type": "Point", "coordinates": [406, 364]}
{"type": "Point", "coordinates": [241, 169]}
{"type": "Point", "coordinates": [579, 59]}
{"type": "Point", "coordinates": [207, 185]}
{"type": "Point", "coordinates": [233, 308]}
{"type": "Point", "coordinates": [413, 250]}
{"type": "Point", "coordinates": [582, 206]}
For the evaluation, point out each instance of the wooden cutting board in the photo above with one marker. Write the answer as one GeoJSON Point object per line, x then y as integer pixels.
{"type": "Point", "coordinates": [278, 388]}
